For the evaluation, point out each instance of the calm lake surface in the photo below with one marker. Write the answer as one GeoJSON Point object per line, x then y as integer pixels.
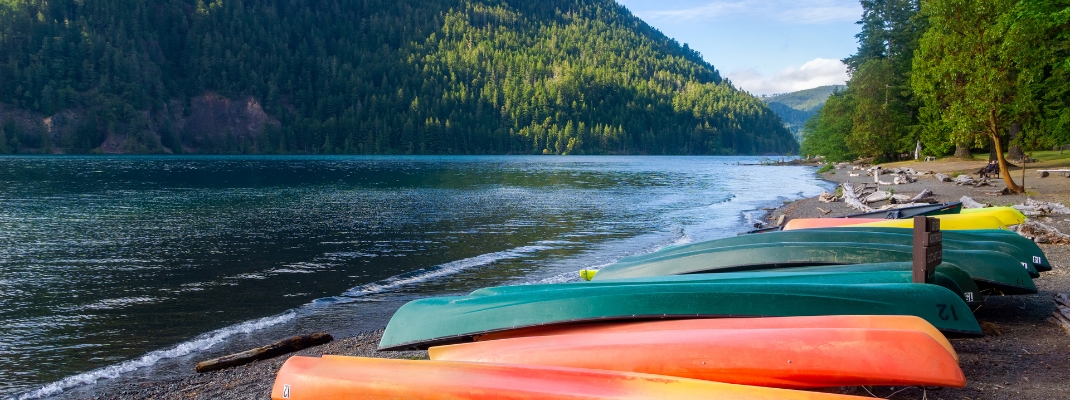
{"type": "Point", "coordinates": [128, 268]}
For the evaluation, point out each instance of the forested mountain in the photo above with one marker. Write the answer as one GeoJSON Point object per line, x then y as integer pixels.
{"type": "Point", "coordinates": [362, 77]}
{"type": "Point", "coordinates": [954, 76]}
{"type": "Point", "coordinates": [796, 108]}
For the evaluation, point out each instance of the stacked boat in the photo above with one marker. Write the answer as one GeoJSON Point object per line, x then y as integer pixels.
{"type": "Point", "coordinates": [753, 316]}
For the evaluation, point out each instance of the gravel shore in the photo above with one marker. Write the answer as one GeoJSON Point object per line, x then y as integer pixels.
{"type": "Point", "coordinates": [1022, 355]}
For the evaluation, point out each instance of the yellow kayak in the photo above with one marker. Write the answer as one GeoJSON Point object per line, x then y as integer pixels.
{"type": "Point", "coordinates": [948, 222]}
{"type": "Point", "coordinates": [1007, 215]}
{"type": "Point", "coordinates": [951, 222]}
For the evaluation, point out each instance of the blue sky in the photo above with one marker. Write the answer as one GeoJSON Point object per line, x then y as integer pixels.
{"type": "Point", "coordinates": [762, 46]}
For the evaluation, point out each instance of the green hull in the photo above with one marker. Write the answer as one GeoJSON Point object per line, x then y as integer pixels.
{"type": "Point", "coordinates": [445, 320]}
{"type": "Point", "coordinates": [1036, 255]}
{"type": "Point", "coordinates": [831, 236]}
{"type": "Point", "coordinates": [949, 276]}
{"type": "Point", "coordinates": [991, 270]}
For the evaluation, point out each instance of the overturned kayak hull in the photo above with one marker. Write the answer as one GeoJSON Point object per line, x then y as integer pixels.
{"type": "Point", "coordinates": [991, 270]}
{"type": "Point", "coordinates": [893, 322]}
{"type": "Point", "coordinates": [457, 319]}
{"type": "Point", "coordinates": [896, 236]}
{"type": "Point", "coordinates": [337, 377]}
{"type": "Point", "coordinates": [798, 358]}
{"type": "Point", "coordinates": [1036, 255]}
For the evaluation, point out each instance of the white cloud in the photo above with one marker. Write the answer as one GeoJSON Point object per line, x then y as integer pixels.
{"type": "Point", "coordinates": [784, 11]}
{"type": "Point", "coordinates": [816, 72]}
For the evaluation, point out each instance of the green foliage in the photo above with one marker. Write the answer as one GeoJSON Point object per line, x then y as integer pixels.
{"type": "Point", "coordinates": [825, 168]}
{"type": "Point", "coordinates": [880, 117]}
{"type": "Point", "coordinates": [378, 76]}
{"type": "Point", "coordinates": [881, 108]}
{"type": "Point", "coordinates": [826, 132]}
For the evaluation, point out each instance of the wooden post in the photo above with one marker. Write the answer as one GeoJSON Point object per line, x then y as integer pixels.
{"type": "Point", "coordinates": [928, 248]}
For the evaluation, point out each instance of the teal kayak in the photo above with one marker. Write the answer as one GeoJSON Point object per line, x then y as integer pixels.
{"type": "Point", "coordinates": [840, 236]}
{"type": "Point", "coordinates": [949, 276]}
{"type": "Point", "coordinates": [1036, 255]}
{"type": "Point", "coordinates": [456, 319]}
{"type": "Point", "coordinates": [991, 270]}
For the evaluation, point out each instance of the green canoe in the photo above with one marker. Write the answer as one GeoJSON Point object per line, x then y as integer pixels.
{"type": "Point", "coordinates": [949, 276]}
{"type": "Point", "coordinates": [991, 270]}
{"type": "Point", "coordinates": [1036, 255]}
{"type": "Point", "coordinates": [456, 319]}
{"type": "Point", "coordinates": [813, 235]}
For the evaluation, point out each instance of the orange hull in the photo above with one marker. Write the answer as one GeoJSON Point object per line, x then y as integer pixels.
{"type": "Point", "coordinates": [334, 377]}
{"type": "Point", "coordinates": [899, 322]}
{"type": "Point", "coordinates": [782, 358]}
{"type": "Point", "coordinates": [809, 223]}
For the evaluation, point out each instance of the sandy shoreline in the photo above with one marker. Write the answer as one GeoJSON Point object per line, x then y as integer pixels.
{"type": "Point", "coordinates": [1022, 355]}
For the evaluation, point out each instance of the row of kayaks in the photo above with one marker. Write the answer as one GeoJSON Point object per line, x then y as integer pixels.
{"type": "Point", "coordinates": [753, 316]}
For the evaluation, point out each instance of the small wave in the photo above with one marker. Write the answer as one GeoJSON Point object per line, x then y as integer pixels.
{"type": "Point", "coordinates": [110, 304]}
{"type": "Point", "coordinates": [200, 343]}
{"type": "Point", "coordinates": [449, 268]}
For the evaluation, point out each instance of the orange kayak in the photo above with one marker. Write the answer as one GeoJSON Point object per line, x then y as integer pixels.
{"type": "Point", "coordinates": [782, 358]}
{"type": "Point", "coordinates": [899, 322]}
{"type": "Point", "coordinates": [336, 377]}
{"type": "Point", "coordinates": [808, 223]}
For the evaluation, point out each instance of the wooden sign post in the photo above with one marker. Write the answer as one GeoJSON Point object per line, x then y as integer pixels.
{"type": "Point", "coordinates": [928, 248]}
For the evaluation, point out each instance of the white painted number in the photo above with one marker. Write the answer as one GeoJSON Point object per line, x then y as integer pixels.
{"type": "Point", "coordinates": [1036, 260]}
{"type": "Point", "coordinates": [969, 296]}
{"type": "Point", "coordinates": [285, 391]}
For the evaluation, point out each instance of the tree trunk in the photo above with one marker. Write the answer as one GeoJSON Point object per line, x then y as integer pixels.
{"type": "Point", "coordinates": [962, 152]}
{"type": "Point", "coordinates": [1003, 166]}
{"type": "Point", "coordinates": [1014, 151]}
{"type": "Point", "coordinates": [992, 151]}
{"type": "Point", "coordinates": [263, 353]}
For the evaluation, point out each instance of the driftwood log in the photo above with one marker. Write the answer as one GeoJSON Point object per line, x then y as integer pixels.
{"type": "Point", "coordinates": [263, 353]}
{"type": "Point", "coordinates": [924, 197]}
{"type": "Point", "coordinates": [969, 202]}
{"type": "Point", "coordinates": [851, 198]}
{"type": "Point", "coordinates": [1061, 315]}
{"type": "Point", "coordinates": [1041, 233]}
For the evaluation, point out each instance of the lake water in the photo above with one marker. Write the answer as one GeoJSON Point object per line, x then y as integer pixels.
{"type": "Point", "coordinates": [137, 267]}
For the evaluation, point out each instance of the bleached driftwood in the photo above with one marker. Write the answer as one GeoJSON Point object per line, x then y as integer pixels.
{"type": "Point", "coordinates": [1034, 208]}
{"type": "Point", "coordinates": [879, 195]}
{"type": "Point", "coordinates": [826, 197]}
{"type": "Point", "coordinates": [263, 353]}
{"type": "Point", "coordinates": [969, 202]}
{"type": "Point", "coordinates": [851, 198]}
{"type": "Point", "coordinates": [942, 178]}
{"type": "Point", "coordinates": [1041, 233]}
{"type": "Point", "coordinates": [923, 197]}
{"type": "Point", "coordinates": [1061, 315]}
{"type": "Point", "coordinates": [964, 180]}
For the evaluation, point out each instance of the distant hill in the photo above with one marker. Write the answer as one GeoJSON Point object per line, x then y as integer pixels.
{"type": "Point", "coordinates": [362, 77]}
{"type": "Point", "coordinates": [796, 108]}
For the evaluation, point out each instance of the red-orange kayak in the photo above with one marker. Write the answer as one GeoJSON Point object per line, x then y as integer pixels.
{"type": "Point", "coordinates": [808, 223]}
{"type": "Point", "coordinates": [901, 322]}
{"type": "Point", "coordinates": [335, 377]}
{"type": "Point", "coordinates": [782, 358]}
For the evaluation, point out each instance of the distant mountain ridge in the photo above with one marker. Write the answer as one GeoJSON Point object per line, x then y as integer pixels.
{"type": "Point", "coordinates": [796, 108]}
{"type": "Point", "coordinates": [363, 77]}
